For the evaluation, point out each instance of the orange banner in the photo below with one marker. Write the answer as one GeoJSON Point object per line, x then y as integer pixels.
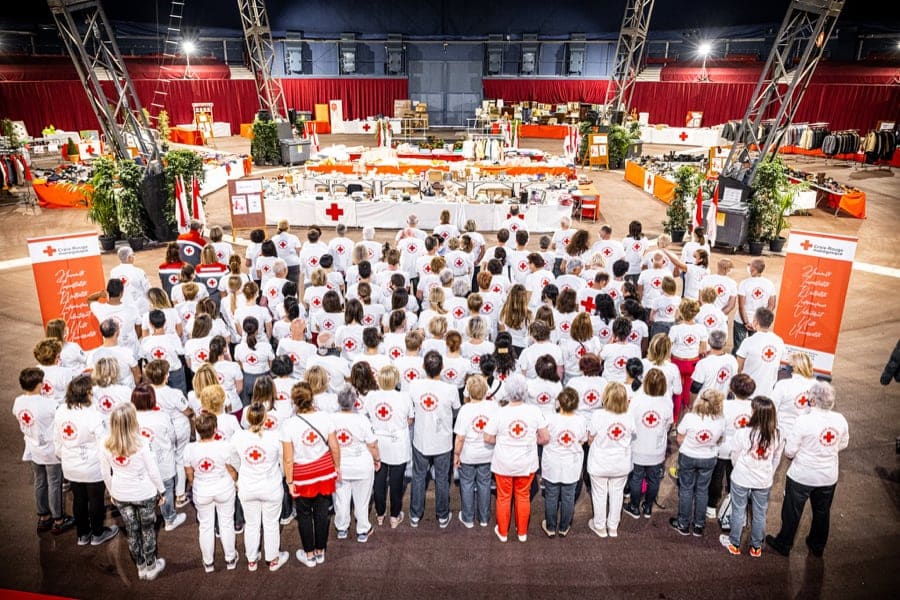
{"type": "Point", "coordinates": [67, 269]}
{"type": "Point", "coordinates": [813, 291]}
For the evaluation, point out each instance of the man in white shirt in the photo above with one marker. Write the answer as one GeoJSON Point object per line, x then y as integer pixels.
{"type": "Point", "coordinates": [814, 444]}
{"type": "Point", "coordinates": [341, 248]}
{"type": "Point", "coordinates": [611, 250]}
{"type": "Point", "coordinates": [760, 354]}
{"type": "Point", "coordinates": [716, 369]}
{"type": "Point", "coordinates": [288, 245]}
{"type": "Point", "coordinates": [517, 258]}
{"type": "Point", "coordinates": [128, 366]}
{"type": "Point", "coordinates": [650, 281]}
{"type": "Point", "coordinates": [126, 316]}
{"type": "Point", "coordinates": [133, 278]}
{"type": "Point", "coordinates": [296, 348]}
{"type": "Point", "coordinates": [514, 223]}
{"type": "Point", "coordinates": [434, 401]}
{"type": "Point", "coordinates": [725, 286]}
{"type": "Point", "coordinates": [271, 289]}
{"type": "Point", "coordinates": [754, 292]}
{"type": "Point", "coordinates": [537, 280]}
{"type": "Point", "coordinates": [412, 228]}
{"type": "Point", "coordinates": [329, 358]}
{"type": "Point", "coordinates": [559, 241]}
{"type": "Point", "coordinates": [312, 253]}
{"type": "Point", "coordinates": [373, 248]}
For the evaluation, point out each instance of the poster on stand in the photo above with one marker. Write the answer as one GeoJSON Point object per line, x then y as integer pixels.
{"type": "Point", "coordinates": [812, 295]}
{"type": "Point", "coordinates": [336, 115]}
{"type": "Point", "coordinates": [67, 269]}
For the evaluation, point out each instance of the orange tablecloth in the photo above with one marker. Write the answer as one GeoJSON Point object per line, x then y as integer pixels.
{"type": "Point", "coordinates": [554, 132]}
{"type": "Point", "coordinates": [853, 203]}
{"type": "Point", "coordinates": [530, 170]}
{"type": "Point", "coordinates": [663, 189]}
{"type": "Point", "coordinates": [855, 156]}
{"type": "Point", "coordinates": [634, 173]}
{"type": "Point", "coordinates": [186, 136]}
{"type": "Point", "coordinates": [247, 130]}
{"type": "Point", "coordinates": [60, 195]}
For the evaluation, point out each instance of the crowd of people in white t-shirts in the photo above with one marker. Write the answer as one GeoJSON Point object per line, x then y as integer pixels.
{"type": "Point", "coordinates": [324, 376]}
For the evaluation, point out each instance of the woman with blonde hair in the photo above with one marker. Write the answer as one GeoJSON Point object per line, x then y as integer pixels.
{"type": "Point", "coordinates": [471, 456]}
{"type": "Point", "coordinates": [516, 317]}
{"type": "Point", "coordinates": [316, 377]}
{"type": "Point", "coordinates": [609, 433]}
{"type": "Point", "coordinates": [313, 295]}
{"type": "Point", "coordinates": [435, 308]}
{"type": "Point", "coordinates": [659, 355]}
{"type": "Point", "coordinates": [652, 410]}
{"type": "Point", "coordinates": [159, 300]}
{"type": "Point", "coordinates": [699, 433]}
{"type": "Point", "coordinates": [107, 392]}
{"type": "Point", "coordinates": [135, 487]}
{"type": "Point", "coordinates": [791, 396]}
{"type": "Point", "coordinates": [71, 356]}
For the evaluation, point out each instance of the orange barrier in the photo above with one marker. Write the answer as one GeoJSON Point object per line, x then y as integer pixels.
{"type": "Point", "coordinates": [553, 132]}
{"type": "Point", "coordinates": [186, 136]}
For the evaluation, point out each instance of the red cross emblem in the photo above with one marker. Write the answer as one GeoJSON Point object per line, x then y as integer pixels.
{"type": "Point", "coordinates": [49, 251]}
{"type": "Point", "coordinates": [581, 351]}
{"type": "Point", "coordinates": [801, 401]}
{"type": "Point", "coordinates": [343, 437]}
{"type": "Point", "coordinates": [220, 377]}
{"type": "Point", "coordinates": [189, 250]}
{"type": "Point", "coordinates": [723, 375]}
{"type": "Point", "coordinates": [328, 324]}
{"type": "Point", "coordinates": [271, 423]}
{"type": "Point", "coordinates": [682, 136]}
{"type": "Point", "coordinates": [496, 289]}
{"type": "Point", "coordinates": [219, 436]}
{"type": "Point", "coordinates": [122, 461]}
{"type": "Point", "coordinates": [565, 326]}
{"type": "Point", "coordinates": [340, 249]}
{"type": "Point", "coordinates": [411, 248]}
{"type": "Point", "coordinates": [487, 308]}
{"type": "Point", "coordinates": [450, 374]}
{"type": "Point", "coordinates": [267, 268]}
{"type": "Point", "coordinates": [201, 356]}
{"type": "Point", "coordinates": [69, 431]}
{"type": "Point", "coordinates": [711, 321]}
{"type": "Point", "coordinates": [590, 284]}
{"type": "Point", "coordinates": [206, 465]}
{"type": "Point", "coordinates": [368, 320]}
{"type": "Point", "coordinates": [255, 455]}
{"type": "Point", "coordinates": [458, 312]}
{"type": "Point", "coordinates": [690, 340]}
{"type": "Point", "coordinates": [704, 435]}
{"type": "Point", "coordinates": [476, 360]}
{"type": "Point", "coordinates": [366, 127]}
{"type": "Point", "coordinates": [545, 282]}
{"type": "Point", "coordinates": [429, 402]}
{"type": "Point", "coordinates": [656, 283]}
{"type": "Point", "coordinates": [445, 234]}
{"type": "Point", "coordinates": [565, 438]}
{"type": "Point", "coordinates": [283, 396]}
{"type": "Point", "coordinates": [427, 269]}
{"type": "Point", "coordinates": [273, 292]}
{"type": "Point", "coordinates": [616, 432]}
{"type": "Point", "coordinates": [282, 244]}
{"type": "Point", "coordinates": [769, 353]}
{"type": "Point", "coordinates": [621, 362]}
{"type": "Point", "coordinates": [173, 279]}
{"type": "Point", "coordinates": [720, 290]}
{"type": "Point", "coordinates": [523, 266]}
{"type": "Point", "coordinates": [310, 438]}
{"type": "Point", "coordinates": [634, 336]}
{"type": "Point", "coordinates": [220, 255]}
{"type": "Point", "coordinates": [637, 247]}
{"type": "Point", "coordinates": [502, 376]}
{"type": "Point", "coordinates": [349, 345]}
{"type": "Point", "coordinates": [828, 436]}
{"type": "Point", "coordinates": [25, 418]}
{"type": "Point", "coordinates": [313, 260]}
{"type": "Point", "coordinates": [607, 252]}
{"type": "Point", "coordinates": [518, 429]}
{"type": "Point", "coordinates": [758, 293]}
{"type": "Point", "coordinates": [105, 404]}
{"type": "Point", "coordinates": [147, 434]}
{"type": "Point", "coordinates": [251, 358]}
{"type": "Point", "coordinates": [591, 397]}
{"type": "Point", "coordinates": [605, 333]}
{"type": "Point", "coordinates": [806, 245]}
{"type": "Point", "coordinates": [543, 398]}
{"type": "Point", "coordinates": [411, 374]}
{"type": "Point", "coordinates": [47, 388]}
{"type": "Point", "coordinates": [316, 301]}
{"type": "Point", "coordinates": [761, 453]}
{"type": "Point", "coordinates": [650, 418]}
{"type": "Point", "coordinates": [670, 310]}
{"type": "Point", "coordinates": [334, 211]}
{"type": "Point", "coordinates": [459, 263]}
{"type": "Point", "coordinates": [613, 293]}
{"type": "Point", "coordinates": [741, 421]}
{"type": "Point", "coordinates": [294, 358]}
{"type": "Point", "coordinates": [384, 411]}
{"type": "Point", "coordinates": [395, 353]}
{"type": "Point", "coordinates": [514, 227]}
{"type": "Point", "coordinates": [588, 304]}
{"type": "Point", "coordinates": [124, 280]}
{"type": "Point", "coordinates": [158, 353]}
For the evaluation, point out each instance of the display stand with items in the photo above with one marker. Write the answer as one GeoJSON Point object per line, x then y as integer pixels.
{"type": "Point", "coordinates": [246, 205]}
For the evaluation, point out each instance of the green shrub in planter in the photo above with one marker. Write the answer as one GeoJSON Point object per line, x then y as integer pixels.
{"type": "Point", "coordinates": [187, 164]}
{"type": "Point", "coordinates": [265, 148]}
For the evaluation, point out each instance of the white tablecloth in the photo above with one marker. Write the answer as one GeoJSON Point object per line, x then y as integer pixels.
{"type": "Point", "coordinates": [683, 136]}
{"type": "Point", "coordinates": [306, 210]}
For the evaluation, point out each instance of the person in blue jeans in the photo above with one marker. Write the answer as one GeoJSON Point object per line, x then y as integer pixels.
{"type": "Point", "coordinates": [755, 454]}
{"type": "Point", "coordinates": [699, 435]}
{"type": "Point", "coordinates": [561, 464]}
{"type": "Point", "coordinates": [471, 456]}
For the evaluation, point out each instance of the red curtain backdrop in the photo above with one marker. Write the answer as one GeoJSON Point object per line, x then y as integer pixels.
{"type": "Point", "coordinates": [50, 68]}
{"type": "Point", "coordinates": [825, 73]}
{"type": "Point", "coordinates": [547, 91]}
{"type": "Point", "coordinates": [65, 104]}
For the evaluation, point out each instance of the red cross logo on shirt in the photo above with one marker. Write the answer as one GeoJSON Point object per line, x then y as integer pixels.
{"type": "Point", "coordinates": [458, 312]}
{"type": "Point", "coordinates": [496, 289]}
{"type": "Point", "coordinates": [682, 136]}
{"type": "Point", "coordinates": [802, 401]}
{"type": "Point", "coordinates": [591, 397]}
{"type": "Point", "coordinates": [294, 358]}
{"type": "Point", "coordinates": [634, 336]}
{"type": "Point", "coordinates": [741, 421]}
{"type": "Point", "coordinates": [656, 283]}
{"type": "Point", "coordinates": [565, 438]}
{"type": "Point", "coordinates": [344, 437]}
{"type": "Point", "coordinates": [605, 333]}
{"type": "Point", "coordinates": [316, 301]}
{"type": "Point", "coordinates": [25, 418]}
{"type": "Point", "coordinates": [47, 388]}
{"type": "Point", "coordinates": [761, 453]}
{"type": "Point", "coordinates": [220, 255]}
{"type": "Point", "coordinates": [650, 418]}
{"type": "Point", "coordinates": [758, 293]}
{"type": "Point", "coordinates": [219, 436]}
{"type": "Point", "coordinates": [255, 455]}
{"type": "Point", "coordinates": [266, 268]}
{"type": "Point", "coordinates": [384, 411]}
{"type": "Point", "coordinates": [607, 252]}
{"type": "Point", "coordinates": [616, 431]}
{"type": "Point", "coordinates": [545, 282]}
{"type": "Point", "coordinates": [723, 375]}
{"type": "Point", "coordinates": [411, 374]}
{"type": "Point", "coordinates": [189, 250]}
{"type": "Point", "coordinates": [158, 353]}
{"type": "Point", "coordinates": [621, 362]}
{"type": "Point", "coordinates": [828, 437]}
{"type": "Point", "coordinates": [670, 310]}
{"type": "Point", "coordinates": [769, 353]}
{"type": "Point", "coordinates": [543, 398]}
{"type": "Point", "coordinates": [201, 356]}
{"type": "Point", "coordinates": [251, 358]}
{"type": "Point", "coordinates": [429, 402]}
{"type": "Point", "coordinates": [711, 321]}
{"type": "Point", "coordinates": [565, 326]}
{"type": "Point", "coordinates": [368, 320]}
{"type": "Point", "coordinates": [703, 436]}
{"type": "Point", "coordinates": [310, 438]}
{"type": "Point", "coordinates": [502, 376]}
{"type": "Point", "coordinates": [313, 260]}
{"type": "Point", "coordinates": [450, 374]}
{"type": "Point", "coordinates": [122, 460]}
{"type": "Point", "coordinates": [271, 423]}
{"type": "Point", "coordinates": [147, 434]}
{"type": "Point", "coordinates": [206, 465]}
{"type": "Point", "coordinates": [328, 324]}
{"type": "Point", "coordinates": [282, 244]}
{"type": "Point", "coordinates": [806, 245]}
{"type": "Point", "coordinates": [273, 292]}
{"type": "Point", "coordinates": [173, 279]}
{"type": "Point", "coordinates": [427, 269]}
{"type": "Point", "coordinates": [523, 266]}
{"type": "Point", "coordinates": [412, 248]}
{"type": "Point", "coordinates": [514, 227]}
{"type": "Point", "coordinates": [282, 396]}
{"type": "Point", "coordinates": [518, 429]}
{"type": "Point", "coordinates": [334, 211]}
{"type": "Point", "coordinates": [581, 351]}
{"type": "Point", "coordinates": [69, 431]}
{"type": "Point", "coordinates": [479, 423]}
{"type": "Point", "coordinates": [340, 249]}
{"type": "Point", "coordinates": [487, 308]}
{"type": "Point", "coordinates": [636, 247]}
{"type": "Point", "coordinates": [49, 251]}
{"type": "Point", "coordinates": [124, 280]}
{"type": "Point", "coordinates": [395, 353]}
{"type": "Point", "coordinates": [349, 345]}
{"type": "Point", "coordinates": [613, 293]}
{"type": "Point", "coordinates": [720, 290]}
{"type": "Point", "coordinates": [459, 263]}
{"type": "Point", "coordinates": [106, 404]}
{"type": "Point", "coordinates": [690, 340]}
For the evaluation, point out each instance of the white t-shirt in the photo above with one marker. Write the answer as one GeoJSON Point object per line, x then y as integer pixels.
{"type": "Point", "coordinates": [791, 398]}
{"type": "Point", "coordinates": [702, 435]}
{"type": "Point", "coordinates": [35, 417]}
{"type": "Point", "coordinates": [726, 288]}
{"type": "Point", "coordinates": [610, 250]}
{"type": "Point", "coordinates": [543, 393]}
{"type": "Point", "coordinates": [652, 419]}
{"type": "Point", "coordinates": [158, 431]}
{"type": "Point", "coordinates": [260, 467]}
{"type": "Point", "coordinates": [652, 280]}
{"type": "Point", "coordinates": [471, 422]}
{"type": "Point", "coordinates": [673, 376]}
{"type": "Point", "coordinates": [341, 249]}
{"type": "Point", "coordinates": [308, 444]}
{"type": "Point", "coordinates": [57, 378]}
{"type": "Point", "coordinates": [535, 283]}
{"type": "Point", "coordinates": [229, 374]}
{"type": "Point", "coordinates": [814, 444]}
{"type": "Point", "coordinates": [390, 411]}
{"type": "Point", "coordinates": [754, 468]}
{"type": "Point", "coordinates": [254, 360]}
{"type": "Point", "coordinates": [209, 461]}
{"type": "Point", "coordinates": [172, 320]}
{"type": "Point", "coordinates": [756, 292]}
{"type": "Point", "coordinates": [712, 317]}
{"type": "Point", "coordinates": [434, 402]}
{"type": "Point", "coordinates": [615, 357]}
{"type": "Point", "coordinates": [353, 432]}
{"type": "Point", "coordinates": [76, 432]}
{"type": "Point", "coordinates": [610, 452]}
{"type": "Point", "coordinates": [410, 368]}
{"type": "Point", "coordinates": [515, 427]}
{"type": "Point", "coordinates": [125, 316]}
{"type": "Point", "coordinates": [196, 350]}
{"type": "Point", "coordinates": [686, 339]}
{"type": "Point", "coordinates": [737, 416]}
{"type": "Point", "coordinates": [531, 353]}
{"type": "Point", "coordinates": [561, 239]}
{"type": "Point", "coordinates": [132, 478]}
{"type": "Point", "coordinates": [715, 372]}
{"type": "Point", "coordinates": [692, 280]}
{"type": "Point", "coordinates": [634, 253]}
{"type": "Point", "coordinates": [762, 354]}
{"type": "Point", "coordinates": [590, 395]}
{"type": "Point", "coordinates": [165, 347]}
{"type": "Point", "coordinates": [664, 308]}
{"type": "Point", "coordinates": [563, 456]}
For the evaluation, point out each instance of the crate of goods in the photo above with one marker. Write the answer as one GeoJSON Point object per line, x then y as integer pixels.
{"type": "Point", "coordinates": [421, 107]}
{"type": "Point", "coordinates": [401, 107]}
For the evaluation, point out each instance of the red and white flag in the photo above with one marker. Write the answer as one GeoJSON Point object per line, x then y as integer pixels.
{"type": "Point", "coordinates": [197, 202]}
{"type": "Point", "coordinates": [182, 218]}
{"type": "Point", "coordinates": [572, 142]}
{"type": "Point", "coordinates": [711, 216]}
{"type": "Point", "coordinates": [698, 220]}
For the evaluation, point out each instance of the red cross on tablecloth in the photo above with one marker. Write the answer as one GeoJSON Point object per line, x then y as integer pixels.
{"type": "Point", "coordinates": [366, 127]}
{"type": "Point", "coordinates": [682, 136]}
{"type": "Point", "coordinates": [334, 211]}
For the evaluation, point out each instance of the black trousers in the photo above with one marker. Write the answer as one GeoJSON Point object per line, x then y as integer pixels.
{"type": "Point", "coordinates": [88, 507]}
{"type": "Point", "coordinates": [389, 477]}
{"type": "Point", "coordinates": [721, 481]}
{"type": "Point", "coordinates": [795, 496]}
{"type": "Point", "coordinates": [313, 521]}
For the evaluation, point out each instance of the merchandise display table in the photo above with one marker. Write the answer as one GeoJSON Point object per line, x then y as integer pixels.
{"type": "Point", "coordinates": [538, 170]}
{"type": "Point", "coordinates": [852, 202]}
{"type": "Point", "coordinates": [654, 184]}
{"type": "Point", "coordinates": [553, 132]}
{"type": "Point", "coordinates": [855, 156]}
{"type": "Point", "coordinates": [683, 136]}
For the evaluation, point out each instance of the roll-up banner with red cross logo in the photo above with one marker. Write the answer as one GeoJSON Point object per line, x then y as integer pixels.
{"type": "Point", "coordinates": [67, 269]}
{"type": "Point", "coordinates": [813, 291]}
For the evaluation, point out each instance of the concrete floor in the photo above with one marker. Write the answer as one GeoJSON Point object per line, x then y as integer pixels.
{"type": "Point", "coordinates": [647, 560]}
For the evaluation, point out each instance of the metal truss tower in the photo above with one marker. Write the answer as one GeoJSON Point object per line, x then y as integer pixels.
{"type": "Point", "coordinates": [629, 54]}
{"type": "Point", "coordinates": [91, 45]}
{"type": "Point", "coordinates": [798, 47]}
{"type": "Point", "coordinates": [258, 36]}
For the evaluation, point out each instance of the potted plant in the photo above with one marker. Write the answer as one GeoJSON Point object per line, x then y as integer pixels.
{"type": "Point", "coordinates": [764, 210]}
{"type": "Point", "coordinates": [677, 215]}
{"type": "Point", "coordinates": [70, 152]}
{"type": "Point", "coordinates": [620, 140]}
{"type": "Point", "coordinates": [162, 127]}
{"type": "Point", "coordinates": [101, 200]}
{"type": "Point", "coordinates": [129, 209]}
{"type": "Point", "coordinates": [264, 148]}
{"type": "Point", "coordinates": [186, 164]}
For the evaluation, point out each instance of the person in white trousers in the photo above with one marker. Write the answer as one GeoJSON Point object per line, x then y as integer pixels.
{"type": "Point", "coordinates": [360, 458]}
{"type": "Point", "coordinates": [208, 466]}
{"type": "Point", "coordinates": [259, 487]}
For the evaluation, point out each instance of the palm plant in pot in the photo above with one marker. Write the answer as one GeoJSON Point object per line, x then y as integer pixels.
{"type": "Point", "coordinates": [677, 215]}
{"type": "Point", "coordinates": [100, 195]}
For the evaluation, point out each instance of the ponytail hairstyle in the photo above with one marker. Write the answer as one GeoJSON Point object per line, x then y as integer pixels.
{"type": "Point", "coordinates": [251, 327]}
{"type": "Point", "coordinates": [503, 354]}
{"type": "Point", "coordinates": [256, 416]}
{"type": "Point", "coordinates": [763, 424]}
{"type": "Point", "coordinates": [264, 392]}
{"type": "Point", "coordinates": [217, 347]}
{"type": "Point", "coordinates": [250, 291]}
{"type": "Point", "coordinates": [234, 287]}
{"type": "Point", "coordinates": [635, 369]}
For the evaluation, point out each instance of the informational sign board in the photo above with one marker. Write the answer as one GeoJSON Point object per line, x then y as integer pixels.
{"type": "Point", "coordinates": [247, 204]}
{"type": "Point", "coordinates": [813, 292]}
{"type": "Point", "coordinates": [598, 150]}
{"type": "Point", "coordinates": [694, 118]}
{"type": "Point", "coordinates": [67, 269]}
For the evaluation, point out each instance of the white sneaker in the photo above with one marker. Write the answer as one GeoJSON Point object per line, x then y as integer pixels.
{"type": "Point", "coordinates": [279, 561]}
{"type": "Point", "coordinates": [142, 572]}
{"type": "Point", "coordinates": [466, 525]}
{"type": "Point", "coordinates": [287, 520]}
{"type": "Point", "coordinates": [151, 572]}
{"type": "Point", "coordinates": [710, 512]}
{"type": "Point", "coordinates": [231, 565]}
{"type": "Point", "coordinates": [301, 556]}
{"type": "Point", "coordinates": [443, 523]}
{"type": "Point", "coordinates": [523, 537]}
{"type": "Point", "coordinates": [502, 538]}
{"type": "Point", "coordinates": [209, 568]}
{"type": "Point", "coordinates": [612, 532]}
{"type": "Point", "coordinates": [174, 523]}
{"type": "Point", "coordinates": [600, 531]}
